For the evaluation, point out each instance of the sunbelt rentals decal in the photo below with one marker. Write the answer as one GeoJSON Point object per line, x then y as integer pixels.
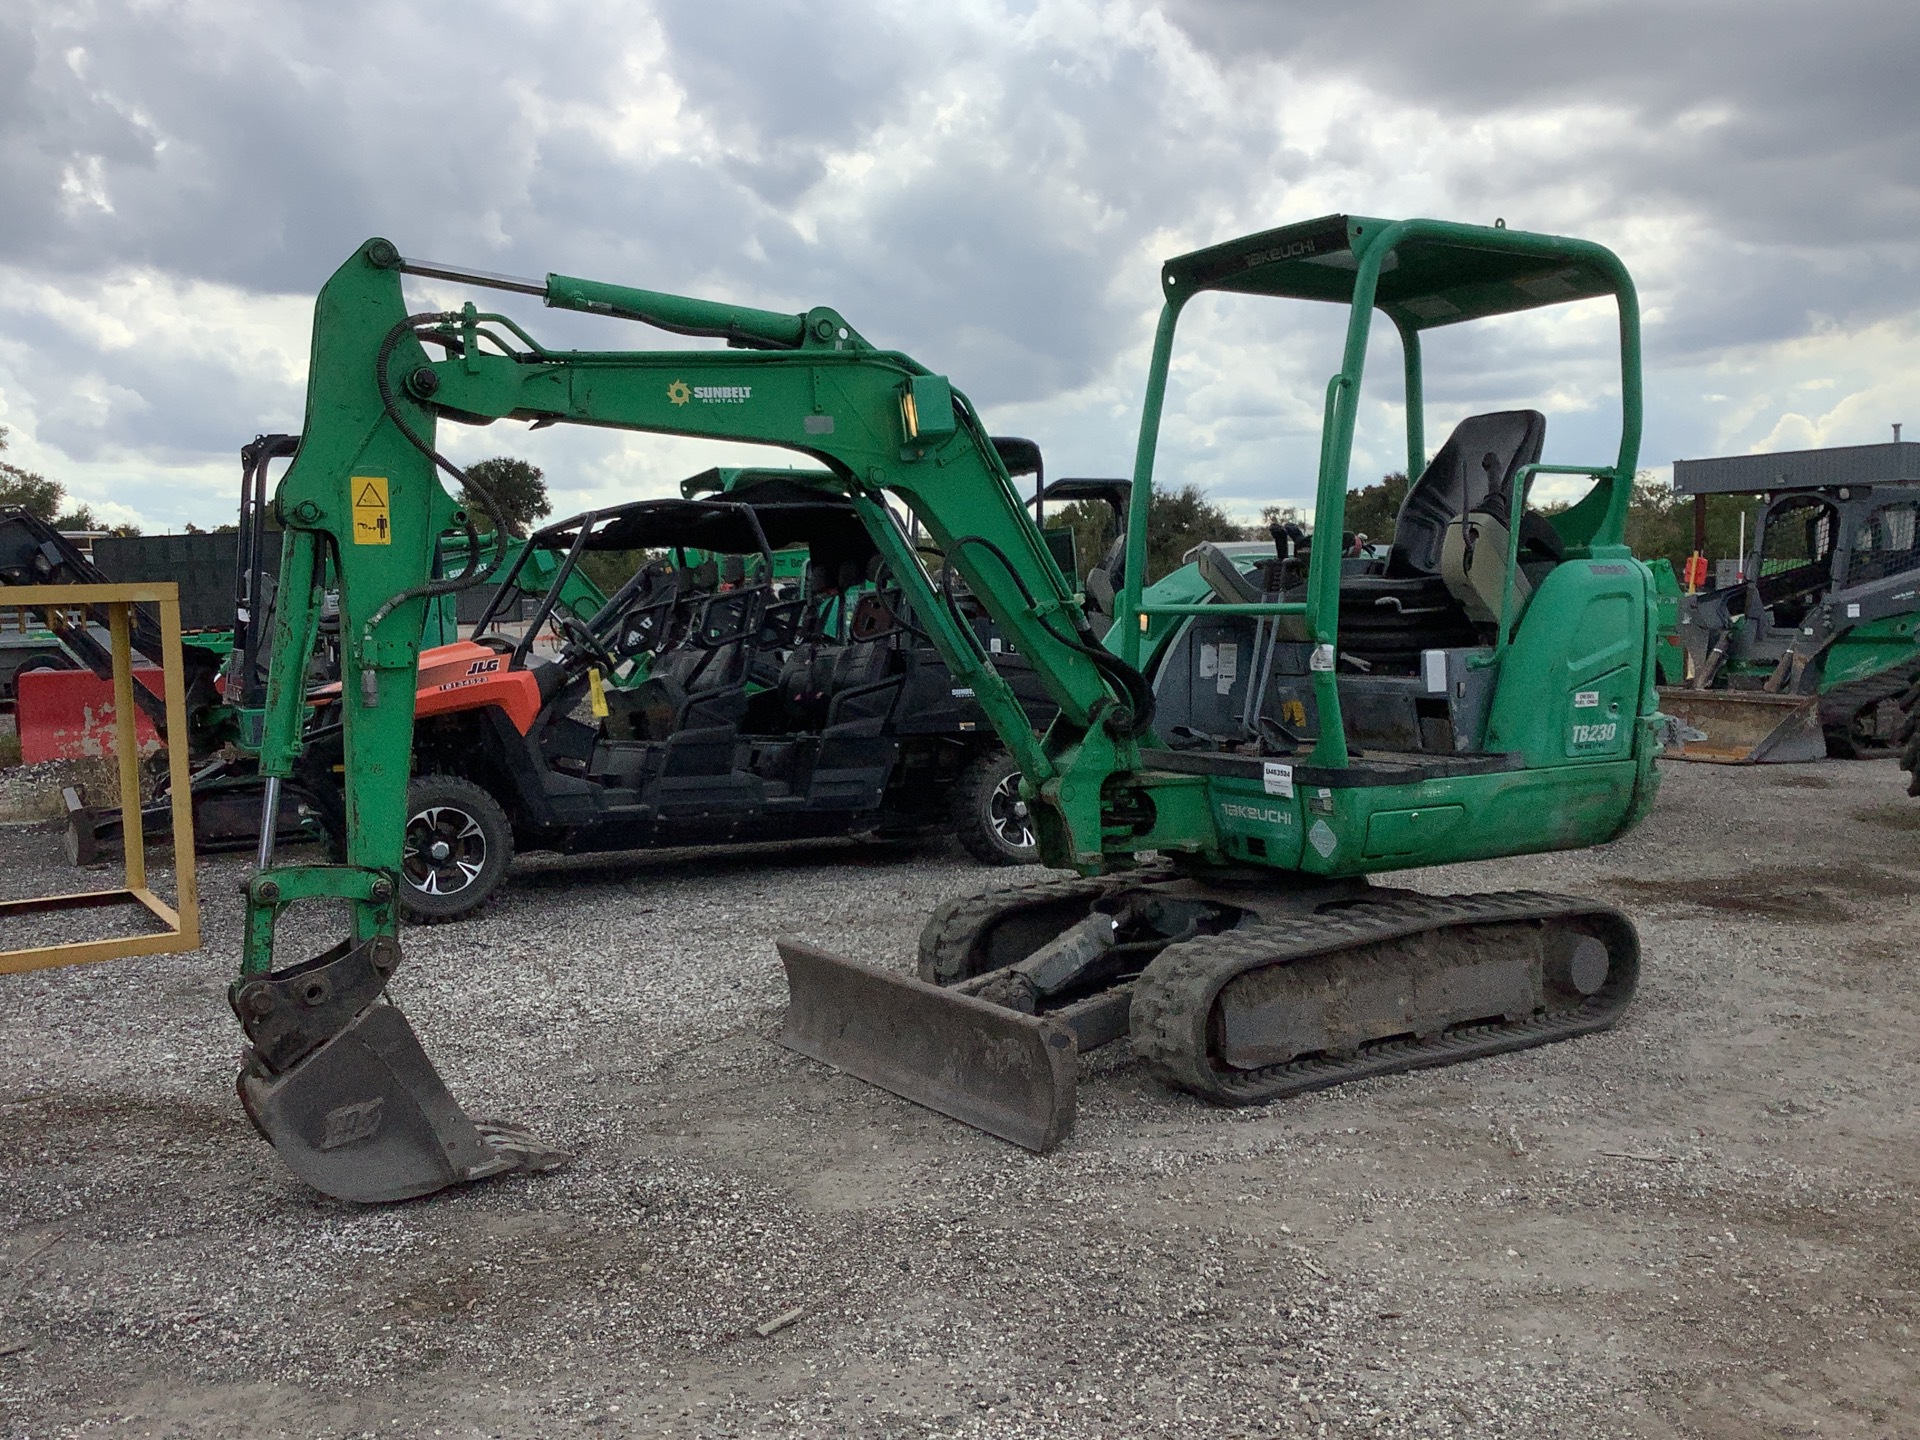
{"type": "Point", "coordinates": [681, 393]}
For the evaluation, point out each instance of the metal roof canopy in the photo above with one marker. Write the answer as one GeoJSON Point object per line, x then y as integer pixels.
{"type": "Point", "coordinates": [1436, 273]}
{"type": "Point", "coordinates": [1799, 469]}
{"type": "Point", "coordinates": [722, 526]}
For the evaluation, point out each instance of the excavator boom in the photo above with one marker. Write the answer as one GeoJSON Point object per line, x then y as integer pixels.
{"type": "Point", "coordinates": [363, 502]}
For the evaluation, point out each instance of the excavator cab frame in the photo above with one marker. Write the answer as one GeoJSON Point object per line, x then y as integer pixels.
{"type": "Point", "coordinates": [1421, 275]}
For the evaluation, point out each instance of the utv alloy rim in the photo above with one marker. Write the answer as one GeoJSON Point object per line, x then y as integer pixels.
{"type": "Point", "coordinates": [445, 852]}
{"type": "Point", "coordinates": [1007, 815]}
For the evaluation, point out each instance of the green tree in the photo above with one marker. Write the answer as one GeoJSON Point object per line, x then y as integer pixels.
{"type": "Point", "coordinates": [81, 517]}
{"type": "Point", "coordinates": [26, 490]}
{"type": "Point", "coordinates": [1272, 515]}
{"type": "Point", "coordinates": [610, 569]}
{"type": "Point", "coordinates": [1660, 522]}
{"type": "Point", "coordinates": [1176, 522]}
{"type": "Point", "coordinates": [1373, 509]}
{"type": "Point", "coordinates": [1093, 529]}
{"type": "Point", "coordinates": [1179, 520]}
{"type": "Point", "coordinates": [517, 487]}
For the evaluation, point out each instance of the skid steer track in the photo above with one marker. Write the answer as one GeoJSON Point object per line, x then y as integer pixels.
{"type": "Point", "coordinates": [1179, 1020]}
{"type": "Point", "coordinates": [1845, 703]}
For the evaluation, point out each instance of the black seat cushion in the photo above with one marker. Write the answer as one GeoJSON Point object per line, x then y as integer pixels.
{"type": "Point", "coordinates": [1393, 594]}
{"type": "Point", "coordinates": [1477, 464]}
{"type": "Point", "coordinates": [862, 663]}
{"type": "Point", "coordinates": [864, 680]}
{"type": "Point", "coordinates": [804, 681]}
{"type": "Point", "coordinates": [653, 706]}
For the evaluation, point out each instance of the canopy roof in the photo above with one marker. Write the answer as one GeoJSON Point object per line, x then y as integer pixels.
{"type": "Point", "coordinates": [1435, 274]}
{"type": "Point", "coordinates": [751, 505]}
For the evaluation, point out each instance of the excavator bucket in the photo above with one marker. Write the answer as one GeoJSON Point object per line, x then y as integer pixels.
{"type": "Point", "coordinates": [339, 1084]}
{"type": "Point", "coordinates": [1009, 1074]}
{"type": "Point", "coordinates": [1746, 727]}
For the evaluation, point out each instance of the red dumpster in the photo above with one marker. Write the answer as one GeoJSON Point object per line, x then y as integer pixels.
{"type": "Point", "coordinates": [65, 714]}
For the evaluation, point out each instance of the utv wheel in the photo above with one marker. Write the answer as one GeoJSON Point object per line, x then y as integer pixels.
{"type": "Point", "coordinates": [989, 816]}
{"type": "Point", "coordinates": [457, 849]}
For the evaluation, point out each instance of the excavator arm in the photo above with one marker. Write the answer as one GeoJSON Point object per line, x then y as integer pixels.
{"type": "Point", "coordinates": [338, 1082]}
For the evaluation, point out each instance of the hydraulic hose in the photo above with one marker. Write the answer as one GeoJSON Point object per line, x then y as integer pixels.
{"type": "Point", "coordinates": [1121, 675]}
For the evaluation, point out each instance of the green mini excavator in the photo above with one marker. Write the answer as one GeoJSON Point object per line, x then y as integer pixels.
{"type": "Point", "coordinates": [1252, 740]}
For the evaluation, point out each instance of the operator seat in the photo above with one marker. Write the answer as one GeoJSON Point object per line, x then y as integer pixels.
{"type": "Point", "coordinates": [1478, 462]}
{"type": "Point", "coordinates": [1410, 607]}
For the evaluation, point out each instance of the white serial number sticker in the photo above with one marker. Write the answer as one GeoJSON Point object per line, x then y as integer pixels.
{"type": "Point", "coordinates": [1595, 734]}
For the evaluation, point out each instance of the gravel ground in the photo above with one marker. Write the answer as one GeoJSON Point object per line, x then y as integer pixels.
{"type": "Point", "coordinates": [1699, 1224]}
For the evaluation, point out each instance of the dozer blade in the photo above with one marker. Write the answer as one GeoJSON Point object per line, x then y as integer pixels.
{"type": "Point", "coordinates": [339, 1084]}
{"type": "Point", "coordinates": [1009, 1074]}
{"type": "Point", "coordinates": [1745, 727]}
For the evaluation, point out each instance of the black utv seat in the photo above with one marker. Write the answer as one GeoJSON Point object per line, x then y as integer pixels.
{"type": "Point", "coordinates": [701, 683]}
{"type": "Point", "coordinates": [865, 681]}
{"type": "Point", "coordinates": [1409, 607]}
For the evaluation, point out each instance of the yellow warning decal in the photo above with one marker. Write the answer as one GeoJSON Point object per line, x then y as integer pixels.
{"type": "Point", "coordinates": [372, 519]}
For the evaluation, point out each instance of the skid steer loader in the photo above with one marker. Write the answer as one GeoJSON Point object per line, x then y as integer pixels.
{"type": "Point", "coordinates": [1808, 655]}
{"type": "Point", "coordinates": [1251, 743]}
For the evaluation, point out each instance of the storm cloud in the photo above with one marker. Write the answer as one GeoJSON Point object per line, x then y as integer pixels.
{"type": "Point", "coordinates": [989, 186]}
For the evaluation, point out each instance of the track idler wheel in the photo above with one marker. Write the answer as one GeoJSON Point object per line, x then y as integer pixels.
{"type": "Point", "coordinates": [339, 1084]}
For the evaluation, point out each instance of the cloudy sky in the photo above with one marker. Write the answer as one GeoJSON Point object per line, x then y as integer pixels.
{"type": "Point", "coordinates": [988, 186]}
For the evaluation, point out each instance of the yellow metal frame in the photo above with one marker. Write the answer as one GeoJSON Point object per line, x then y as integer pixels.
{"type": "Point", "coordinates": [183, 923]}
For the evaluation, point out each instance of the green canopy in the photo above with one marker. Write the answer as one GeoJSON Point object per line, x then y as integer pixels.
{"type": "Point", "coordinates": [1433, 273]}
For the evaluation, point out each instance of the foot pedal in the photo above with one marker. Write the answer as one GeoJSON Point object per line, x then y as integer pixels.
{"type": "Point", "coordinates": [362, 1115]}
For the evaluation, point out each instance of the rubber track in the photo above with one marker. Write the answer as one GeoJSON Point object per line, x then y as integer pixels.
{"type": "Point", "coordinates": [950, 932]}
{"type": "Point", "coordinates": [1173, 1000]}
{"type": "Point", "coordinates": [1840, 704]}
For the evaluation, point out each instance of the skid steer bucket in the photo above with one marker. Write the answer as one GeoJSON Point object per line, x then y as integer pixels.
{"type": "Point", "coordinates": [1745, 727]}
{"type": "Point", "coordinates": [339, 1084]}
{"type": "Point", "coordinates": [1009, 1074]}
